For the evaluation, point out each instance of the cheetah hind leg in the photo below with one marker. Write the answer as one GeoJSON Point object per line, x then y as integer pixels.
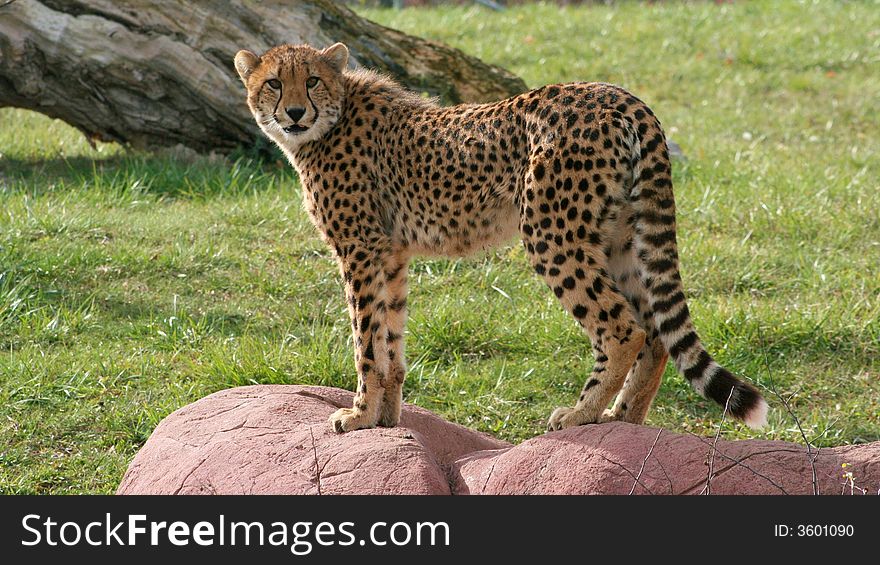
{"type": "Point", "coordinates": [576, 272]}
{"type": "Point", "coordinates": [640, 387]}
{"type": "Point", "coordinates": [610, 371]}
{"type": "Point", "coordinates": [643, 381]}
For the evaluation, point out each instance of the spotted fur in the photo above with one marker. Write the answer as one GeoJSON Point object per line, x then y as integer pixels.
{"type": "Point", "coordinates": [580, 171]}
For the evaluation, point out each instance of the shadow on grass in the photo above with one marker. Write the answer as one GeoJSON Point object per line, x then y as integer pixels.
{"type": "Point", "coordinates": [165, 174]}
{"type": "Point", "coordinates": [50, 171]}
{"type": "Point", "coordinates": [216, 321]}
{"type": "Point", "coordinates": [32, 314]}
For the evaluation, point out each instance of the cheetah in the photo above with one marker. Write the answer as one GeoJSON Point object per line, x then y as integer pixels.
{"type": "Point", "coordinates": [579, 171]}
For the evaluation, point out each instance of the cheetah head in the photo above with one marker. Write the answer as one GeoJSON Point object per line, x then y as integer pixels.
{"type": "Point", "coordinates": [295, 92]}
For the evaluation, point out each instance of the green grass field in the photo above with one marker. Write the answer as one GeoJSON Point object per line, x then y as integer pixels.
{"type": "Point", "coordinates": [134, 283]}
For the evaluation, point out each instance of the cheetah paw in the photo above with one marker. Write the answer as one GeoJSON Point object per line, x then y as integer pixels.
{"type": "Point", "coordinates": [568, 418]}
{"type": "Point", "coordinates": [349, 419]}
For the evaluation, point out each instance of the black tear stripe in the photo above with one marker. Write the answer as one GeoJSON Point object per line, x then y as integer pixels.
{"type": "Point", "coordinates": [314, 107]}
{"type": "Point", "coordinates": [277, 102]}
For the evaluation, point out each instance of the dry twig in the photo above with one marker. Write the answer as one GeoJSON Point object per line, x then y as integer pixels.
{"type": "Point", "coordinates": [642, 468]}
{"type": "Point", "coordinates": [739, 463]}
{"type": "Point", "coordinates": [711, 456]}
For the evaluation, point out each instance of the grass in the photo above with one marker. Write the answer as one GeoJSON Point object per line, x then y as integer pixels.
{"type": "Point", "coordinates": [134, 283]}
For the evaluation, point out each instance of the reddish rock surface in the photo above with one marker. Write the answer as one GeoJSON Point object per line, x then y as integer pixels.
{"type": "Point", "coordinates": [274, 439]}
{"type": "Point", "coordinates": [613, 459]}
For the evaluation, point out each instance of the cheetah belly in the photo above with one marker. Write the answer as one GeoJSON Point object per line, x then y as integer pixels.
{"type": "Point", "coordinates": [478, 231]}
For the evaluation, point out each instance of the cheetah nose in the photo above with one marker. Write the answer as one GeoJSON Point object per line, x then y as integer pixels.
{"type": "Point", "coordinates": [295, 113]}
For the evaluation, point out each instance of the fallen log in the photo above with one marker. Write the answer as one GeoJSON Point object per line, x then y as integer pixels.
{"type": "Point", "coordinates": [151, 73]}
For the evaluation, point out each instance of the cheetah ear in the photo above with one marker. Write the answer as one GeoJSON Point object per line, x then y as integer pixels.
{"type": "Point", "coordinates": [336, 55]}
{"type": "Point", "coordinates": [245, 63]}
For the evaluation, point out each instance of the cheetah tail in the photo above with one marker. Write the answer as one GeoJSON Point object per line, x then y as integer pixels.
{"type": "Point", "coordinates": [656, 248]}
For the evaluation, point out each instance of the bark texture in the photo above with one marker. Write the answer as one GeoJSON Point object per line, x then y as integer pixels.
{"type": "Point", "coordinates": [159, 72]}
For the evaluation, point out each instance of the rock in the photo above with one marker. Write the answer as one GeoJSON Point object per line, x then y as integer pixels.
{"type": "Point", "coordinates": [607, 459]}
{"type": "Point", "coordinates": [274, 439]}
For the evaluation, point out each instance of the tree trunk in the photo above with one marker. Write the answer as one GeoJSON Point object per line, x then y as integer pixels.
{"type": "Point", "coordinates": [159, 72]}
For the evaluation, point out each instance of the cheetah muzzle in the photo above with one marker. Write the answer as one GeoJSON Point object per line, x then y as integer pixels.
{"type": "Point", "coordinates": [579, 171]}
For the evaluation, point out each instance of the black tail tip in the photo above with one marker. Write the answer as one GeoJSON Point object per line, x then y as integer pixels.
{"type": "Point", "coordinates": [743, 401]}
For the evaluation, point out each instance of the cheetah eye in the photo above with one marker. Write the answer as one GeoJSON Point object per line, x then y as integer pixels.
{"type": "Point", "coordinates": [312, 82]}
{"type": "Point", "coordinates": [274, 83]}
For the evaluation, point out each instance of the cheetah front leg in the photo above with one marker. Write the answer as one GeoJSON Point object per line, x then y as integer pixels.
{"type": "Point", "coordinates": [366, 293]}
{"type": "Point", "coordinates": [396, 281]}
